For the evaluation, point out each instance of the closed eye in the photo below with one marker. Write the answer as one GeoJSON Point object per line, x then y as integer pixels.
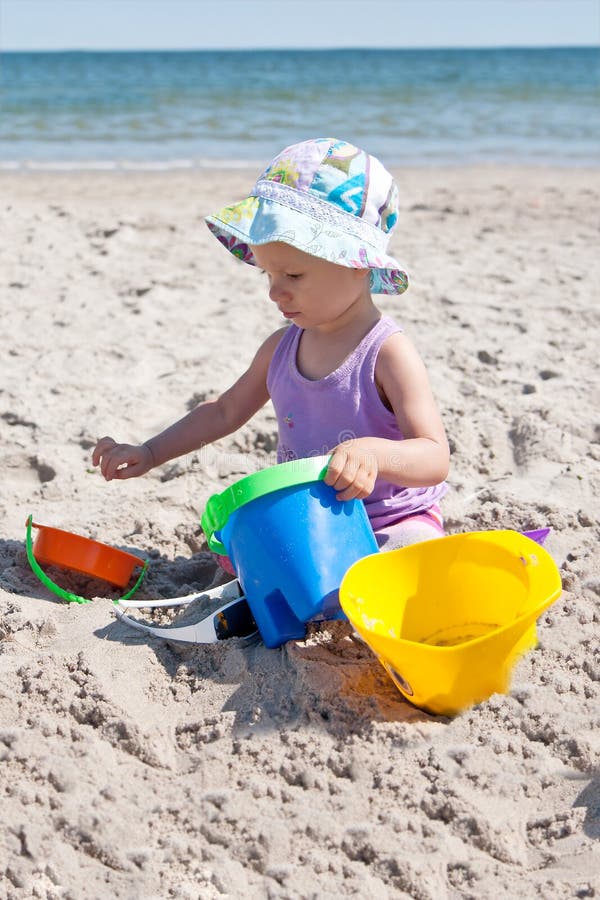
{"type": "Point", "coordinates": [294, 275]}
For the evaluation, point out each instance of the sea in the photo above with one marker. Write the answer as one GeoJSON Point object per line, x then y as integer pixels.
{"type": "Point", "coordinates": [189, 109]}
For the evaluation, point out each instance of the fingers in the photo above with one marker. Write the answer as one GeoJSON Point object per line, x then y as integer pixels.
{"type": "Point", "coordinates": [342, 470]}
{"type": "Point", "coordinates": [120, 461]}
{"type": "Point", "coordinates": [101, 447]}
{"type": "Point", "coordinates": [351, 472]}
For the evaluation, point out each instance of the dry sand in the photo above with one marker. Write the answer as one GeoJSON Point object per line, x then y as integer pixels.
{"type": "Point", "coordinates": [135, 769]}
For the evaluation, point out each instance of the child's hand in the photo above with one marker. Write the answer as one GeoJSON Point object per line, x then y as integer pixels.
{"type": "Point", "coordinates": [121, 460]}
{"type": "Point", "coordinates": [352, 471]}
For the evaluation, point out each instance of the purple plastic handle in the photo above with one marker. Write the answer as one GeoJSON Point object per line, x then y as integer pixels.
{"type": "Point", "coordinates": [539, 535]}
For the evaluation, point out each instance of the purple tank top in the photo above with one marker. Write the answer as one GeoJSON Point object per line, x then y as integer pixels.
{"type": "Point", "coordinates": [314, 416]}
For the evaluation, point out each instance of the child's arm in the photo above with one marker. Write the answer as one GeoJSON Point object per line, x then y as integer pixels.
{"type": "Point", "coordinates": [422, 458]}
{"type": "Point", "coordinates": [206, 423]}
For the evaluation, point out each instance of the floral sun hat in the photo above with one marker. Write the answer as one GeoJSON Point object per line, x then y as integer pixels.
{"type": "Point", "coordinates": [326, 198]}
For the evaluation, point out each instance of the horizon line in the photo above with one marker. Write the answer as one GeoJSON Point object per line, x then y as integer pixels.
{"type": "Point", "coordinates": [303, 49]}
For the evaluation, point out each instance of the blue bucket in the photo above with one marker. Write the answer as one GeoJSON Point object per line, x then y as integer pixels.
{"type": "Point", "coordinates": [291, 542]}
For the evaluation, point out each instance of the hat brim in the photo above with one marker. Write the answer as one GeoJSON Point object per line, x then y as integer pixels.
{"type": "Point", "coordinates": [258, 220]}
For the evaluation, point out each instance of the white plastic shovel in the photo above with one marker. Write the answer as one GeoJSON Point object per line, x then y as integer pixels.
{"type": "Point", "coordinates": [233, 619]}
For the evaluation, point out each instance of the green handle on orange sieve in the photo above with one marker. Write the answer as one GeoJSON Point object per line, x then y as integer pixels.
{"type": "Point", "coordinates": [61, 592]}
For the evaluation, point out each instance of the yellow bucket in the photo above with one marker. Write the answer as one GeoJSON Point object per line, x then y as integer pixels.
{"type": "Point", "coordinates": [448, 618]}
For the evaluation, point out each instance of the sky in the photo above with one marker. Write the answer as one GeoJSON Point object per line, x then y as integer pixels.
{"type": "Point", "coordinates": [250, 24]}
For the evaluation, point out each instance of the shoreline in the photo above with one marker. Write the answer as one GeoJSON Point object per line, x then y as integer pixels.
{"type": "Point", "coordinates": [92, 167]}
{"type": "Point", "coordinates": [251, 170]}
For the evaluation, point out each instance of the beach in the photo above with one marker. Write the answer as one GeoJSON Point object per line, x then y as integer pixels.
{"type": "Point", "coordinates": [137, 768]}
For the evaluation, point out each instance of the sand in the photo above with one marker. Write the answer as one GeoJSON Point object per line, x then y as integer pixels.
{"type": "Point", "coordinates": [134, 768]}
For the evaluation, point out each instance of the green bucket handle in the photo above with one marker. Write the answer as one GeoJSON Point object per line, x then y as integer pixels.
{"type": "Point", "coordinates": [289, 474]}
{"type": "Point", "coordinates": [61, 592]}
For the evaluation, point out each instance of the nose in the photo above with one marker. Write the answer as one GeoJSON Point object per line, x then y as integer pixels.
{"type": "Point", "coordinates": [277, 291]}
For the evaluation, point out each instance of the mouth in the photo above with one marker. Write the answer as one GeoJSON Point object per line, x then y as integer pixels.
{"type": "Point", "coordinates": [288, 315]}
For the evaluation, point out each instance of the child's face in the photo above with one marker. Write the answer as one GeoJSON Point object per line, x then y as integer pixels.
{"type": "Point", "coordinates": [309, 291]}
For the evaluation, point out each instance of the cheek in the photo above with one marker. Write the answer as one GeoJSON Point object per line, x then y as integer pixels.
{"type": "Point", "coordinates": [350, 284]}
